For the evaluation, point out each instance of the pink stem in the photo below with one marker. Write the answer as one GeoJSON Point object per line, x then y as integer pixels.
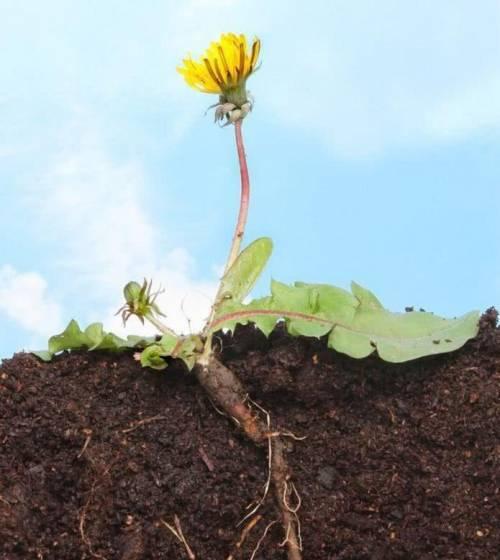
{"type": "Point", "coordinates": [240, 224]}
{"type": "Point", "coordinates": [244, 200]}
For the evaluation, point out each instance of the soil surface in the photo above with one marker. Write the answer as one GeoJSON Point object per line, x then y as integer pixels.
{"type": "Point", "coordinates": [399, 461]}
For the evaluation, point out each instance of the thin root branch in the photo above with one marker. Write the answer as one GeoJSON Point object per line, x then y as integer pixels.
{"type": "Point", "coordinates": [299, 531]}
{"type": "Point", "coordinates": [287, 540]}
{"type": "Point", "coordinates": [222, 413]}
{"type": "Point", "coordinates": [217, 409]}
{"type": "Point", "coordinates": [142, 422]}
{"type": "Point", "coordinates": [287, 536]}
{"type": "Point", "coordinates": [291, 492]}
{"type": "Point", "coordinates": [283, 489]}
{"type": "Point", "coordinates": [236, 421]}
{"type": "Point", "coordinates": [261, 540]}
{"type": "Point", "coordinates": [255, 507]}
{"type": "Point", "coordinates": [179, 535]}
{"type": "Point", "coordinates": [262, 409]}
{"type": "Point", "coordinates": [83, 517]}
{"type": "Point", "coordinates": [85, 444]}
{"type": "Point", "coordinates": [287, 433]}
{"type": "Point", "coordinates": [244, 534]}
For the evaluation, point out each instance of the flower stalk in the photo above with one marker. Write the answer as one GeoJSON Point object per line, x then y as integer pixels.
{"type": "Point", "coordinates": [160, 325]}
{"type": "Point", "coordinates": [239, 231]}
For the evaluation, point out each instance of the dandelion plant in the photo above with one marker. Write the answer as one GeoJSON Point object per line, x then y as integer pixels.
{"type": "Point", "coordinates": [352, 322]}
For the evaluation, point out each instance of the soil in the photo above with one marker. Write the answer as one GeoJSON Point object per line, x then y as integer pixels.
{"type": "Point", "coordinates": [399, 461]}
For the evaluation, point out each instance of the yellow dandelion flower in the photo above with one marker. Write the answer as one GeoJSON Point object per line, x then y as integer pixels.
{"type": "Point", "coordinates": [223, 69]}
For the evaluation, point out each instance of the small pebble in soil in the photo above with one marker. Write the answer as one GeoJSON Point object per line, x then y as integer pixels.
{"type": "Point", "coordinates": [326, 477]}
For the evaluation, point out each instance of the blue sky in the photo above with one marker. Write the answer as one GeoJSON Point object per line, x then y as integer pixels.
{"type": "Point", "coordinates": [373, 149]}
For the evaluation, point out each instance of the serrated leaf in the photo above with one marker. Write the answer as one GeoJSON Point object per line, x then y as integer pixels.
{"type": "Point", "coordinates": [241, 277]}
{"type": "Point", "coordinates": [110, 341]}
{"type": "Point", "coordinates": [98, 339]}
{"type": "Point", "coordinates": [331, 301]}
{"type": "Point", "coordinates": [94, 334]}
{"type": "Point", "coordinates": [71, 338]}
{"type": "Point", "coordinates": [399, 337]}
{"type": "Point", "coordinates": [365, 297]}
{"type": "Point", "coordinates": [94, 337]}
{"type": "Point", "coordinates": [357, 323]}
{"type": "Point", "coordinates": [294, 298]}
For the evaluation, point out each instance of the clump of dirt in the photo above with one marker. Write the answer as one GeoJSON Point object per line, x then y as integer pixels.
{"type": "Point", "coordinates": [399, 462]}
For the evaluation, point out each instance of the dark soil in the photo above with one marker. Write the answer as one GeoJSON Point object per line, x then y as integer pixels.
{"type": "Point", "coordinates": [400, 461]}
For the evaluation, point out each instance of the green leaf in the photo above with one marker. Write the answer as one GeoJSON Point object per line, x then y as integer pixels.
{"type": "Point", "coordinates": [152, 356]}
{"type": "Point", "coordinates": [44, 355]}
{"type": "Point", "coordinates": [356, 322]}
{"type": "Point", "coordinates": [135, 341]}
{"type": "Point", "coordinates": [241, 277]}
{"type": "Point", "coordinates": [168, 342]}
{"type": "Point", "coordinates": [94, 337]}
{"type": "Point", "coordinates": [332, 301]}
{"type": "Point", "coordinates": [365, 297]}
{"type": "Point", "coordinates": [110, 341]}
{"type": "Point", "coordinates": [98, 339]}
{"type": "Point", "coordinates": [188, 350]}
{"type": "Point", "coordinates": [71, 338]}
{"type": "Point", "coordinates": [399, 337]}
{"type": "Point", "coordinates": [231, 315]}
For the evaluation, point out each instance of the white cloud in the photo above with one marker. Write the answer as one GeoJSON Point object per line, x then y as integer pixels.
{"type": "Point", "coordinates": [473, 107]}
{"type": "Point", "coordinates": [93, 211]}
{"type": "Point", "coordinates": [392, 74]}
{"type": "Point", "coordinates": [24, 299]}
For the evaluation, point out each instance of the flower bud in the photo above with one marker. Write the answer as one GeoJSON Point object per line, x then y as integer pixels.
{"type": "Point", "coordinates": [132, 292]}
